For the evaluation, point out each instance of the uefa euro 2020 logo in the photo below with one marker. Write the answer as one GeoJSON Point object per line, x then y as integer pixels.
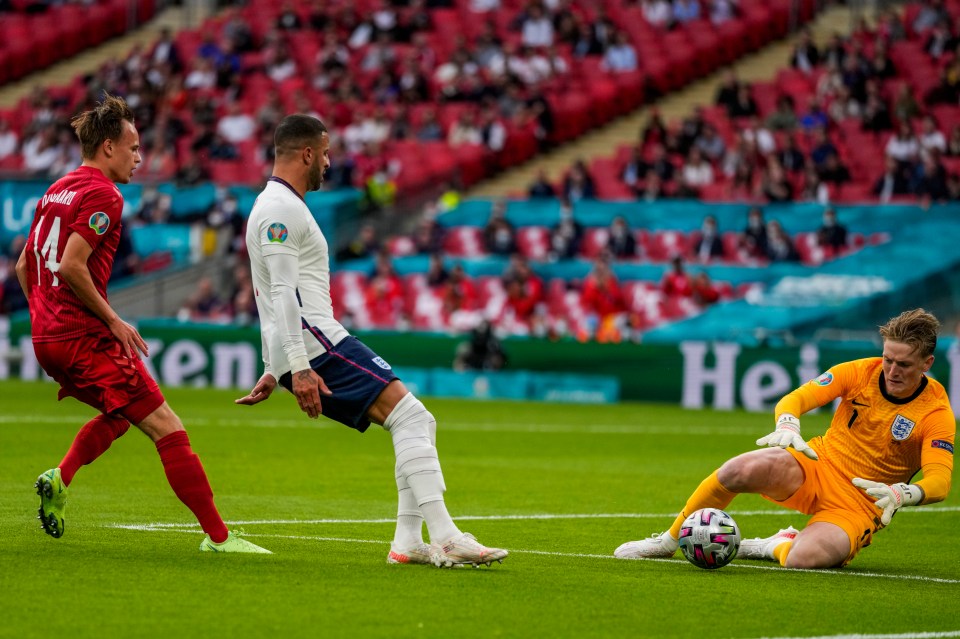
{"type": "Point", "coordinates": [99, 222]}
{"type": "Point", "coordinates": [277, 232]}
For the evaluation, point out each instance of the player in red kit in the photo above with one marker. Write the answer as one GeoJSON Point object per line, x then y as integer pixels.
{"type": "Point", "coordinates": [83, 344]}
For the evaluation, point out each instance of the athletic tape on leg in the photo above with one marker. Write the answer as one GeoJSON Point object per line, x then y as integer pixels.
{"type": "Point", "coordinates": [409, 425]}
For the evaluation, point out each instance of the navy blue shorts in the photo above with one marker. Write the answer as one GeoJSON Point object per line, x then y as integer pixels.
{"type": "Point", "coordinates": [355, 375]}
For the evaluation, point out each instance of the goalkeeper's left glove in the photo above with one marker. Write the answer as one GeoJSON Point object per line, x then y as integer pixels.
{"type": "Point", "coordinates": [787, 434]}
{"type": "Point", "coordinates": [890, 497]}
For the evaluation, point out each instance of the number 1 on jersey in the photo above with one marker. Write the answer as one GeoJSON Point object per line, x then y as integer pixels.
{"type": "Point", "coordinates": [49, 250]}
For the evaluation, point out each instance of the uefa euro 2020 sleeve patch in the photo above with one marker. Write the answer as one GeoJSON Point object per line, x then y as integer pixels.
{"type": "Point", "coordinates": [277, 232]}
{"type": "Point", "coordinates": [99, 222]}
{"type": "Point", "coordinates": [825, 380]}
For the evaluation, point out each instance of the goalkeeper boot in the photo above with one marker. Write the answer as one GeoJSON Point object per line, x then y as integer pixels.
{"type": "Point", "coordinates": [465, 549]}
{"type": "Point", "coordinates": [656, 546]}
{"type": "Point", "coordinates": [233, 543]}
{"type": "Point", "coordinates": [763, 547]}
{"type": "Point", "coordinates": [418, 554]}
{"type": "Point", "coordinates": [53, 501]}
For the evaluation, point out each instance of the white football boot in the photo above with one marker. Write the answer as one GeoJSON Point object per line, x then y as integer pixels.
{"type": "Point", "coordinates": [419, 554]}
{"type": "Point", "coordinates": [656, 546]}
{"type": "Point", "coordinates": [465, 549]}
{"type": "Point", "coordinates": [763, 547]}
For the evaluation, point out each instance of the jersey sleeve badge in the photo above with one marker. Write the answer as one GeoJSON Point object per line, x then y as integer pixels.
{"type": "Point", "coordinates": [942, 443]}
{"type": "Point", "coordinates": [99, 222]}
{"type": "Point", "coordinates": [277, 232]}
{"type": "Point", "coordinates": [824, 380]}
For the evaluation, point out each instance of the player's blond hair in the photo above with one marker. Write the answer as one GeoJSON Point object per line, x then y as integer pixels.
{"type": "Point", "coordinates": [918, 328]}
{"type": "Point", "coordinates": [103, 122]}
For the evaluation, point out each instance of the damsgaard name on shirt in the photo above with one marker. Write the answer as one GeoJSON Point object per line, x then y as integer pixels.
{"type": "Point", "coordinates": [63, 197]}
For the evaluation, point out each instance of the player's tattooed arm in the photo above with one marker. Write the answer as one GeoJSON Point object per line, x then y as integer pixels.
{"type": "Point", "coordinates": [307, 386]}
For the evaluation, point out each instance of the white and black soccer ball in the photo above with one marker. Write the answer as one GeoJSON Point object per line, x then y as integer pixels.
{"type": "Point", "coordinates": [709, 538]}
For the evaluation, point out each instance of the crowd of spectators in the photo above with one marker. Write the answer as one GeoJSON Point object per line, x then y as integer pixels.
{"type": "Point", "coordinates": [373, 78]}
{"type": "Point", "coordinates": [378, 73]}
{"type": "Point", "coordinates": [796, 149]}
{"type": "Point", "coordinates": [521, 302]}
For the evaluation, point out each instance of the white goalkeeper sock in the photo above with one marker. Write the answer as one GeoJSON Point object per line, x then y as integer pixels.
{"type": "Point", "coordinates": [413, 430]}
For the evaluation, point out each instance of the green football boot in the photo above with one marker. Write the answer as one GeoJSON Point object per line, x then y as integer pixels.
{"type": "Point", "coordinates": [53, 501]}
{"type": "Point", "coordinates": [233, 543]}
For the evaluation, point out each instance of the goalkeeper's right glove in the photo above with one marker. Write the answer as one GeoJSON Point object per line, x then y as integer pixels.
{"type": "Point", "coordinates": [788, 434]}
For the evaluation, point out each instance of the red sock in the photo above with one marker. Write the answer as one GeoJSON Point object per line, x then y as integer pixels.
{"type": "Point", "coordinates": [189, 481]}
{"type": "Point", "coordinates": [92, 441]}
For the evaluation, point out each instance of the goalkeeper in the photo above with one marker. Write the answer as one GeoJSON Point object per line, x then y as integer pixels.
{"type": "Point", "coordinates": [891, 422]}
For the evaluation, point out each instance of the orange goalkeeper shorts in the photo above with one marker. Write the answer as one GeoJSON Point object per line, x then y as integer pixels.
{"type": "Point", "coordinates": [829, 496]}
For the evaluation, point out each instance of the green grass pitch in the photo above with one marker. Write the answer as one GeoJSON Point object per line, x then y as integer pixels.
{"type": "Point", "coordinates": [321, 496]}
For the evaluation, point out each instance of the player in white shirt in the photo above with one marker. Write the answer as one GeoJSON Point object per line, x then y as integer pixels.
{"type": "Point", "coordinates": [309, 352]}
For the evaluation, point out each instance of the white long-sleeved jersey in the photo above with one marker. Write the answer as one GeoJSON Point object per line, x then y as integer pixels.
{"type": "Point", "coordinates": [290, 265]}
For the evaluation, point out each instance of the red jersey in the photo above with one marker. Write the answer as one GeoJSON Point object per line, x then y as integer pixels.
{"type": "Point", "coordinates": [85, 202]}
{"type": "Point", "coordinates": [678, 284]}
{"type": "Point", "coordinates": [603, 298]}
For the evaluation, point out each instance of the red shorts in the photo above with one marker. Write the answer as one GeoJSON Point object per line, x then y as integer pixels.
{"type": "Point", "coordinates": [94, 369]}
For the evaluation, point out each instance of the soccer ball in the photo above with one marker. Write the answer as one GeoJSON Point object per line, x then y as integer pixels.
{"type": "Point", "coordinates": [709, 538]}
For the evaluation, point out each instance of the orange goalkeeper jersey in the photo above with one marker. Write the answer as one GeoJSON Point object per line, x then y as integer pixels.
{"type": "Point", "coordinates": [879, 437]}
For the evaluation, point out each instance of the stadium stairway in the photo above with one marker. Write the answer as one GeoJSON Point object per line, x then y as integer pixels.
{"type": "Point", "coordinates": [762, 65]}
{"type": "Point", "coordinates": [64, 72]}
{"type": "Point", "coordinates": [163, 294]}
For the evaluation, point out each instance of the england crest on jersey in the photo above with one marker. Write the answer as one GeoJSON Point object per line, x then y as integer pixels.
{"type": "Point", "coordinates": [901, 428]}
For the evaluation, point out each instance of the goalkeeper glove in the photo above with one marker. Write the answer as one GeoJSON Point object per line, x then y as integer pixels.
{"type": "Point", "coordinates": [787, 434]}
{"type": "Point", "coordinates": [890, 497]}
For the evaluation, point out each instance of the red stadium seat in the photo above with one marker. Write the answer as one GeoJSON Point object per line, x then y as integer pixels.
{"type": "Point", "coordinates": [464, 241]}
{"type": "Point", "coordinates": [665, 245]}
{"type": "Point", "coordinates": [226, 171]}
{"type": "Point", "coordinates": [594, 241]}
{"type": "Point", "coordinates": [533, 242]}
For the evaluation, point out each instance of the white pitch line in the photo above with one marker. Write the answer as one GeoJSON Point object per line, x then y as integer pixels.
{"type": "Point", "coordinates": [902, 635]}
{"type": "Point", "coordinates": [490, 427]}
{"type": "Point", "coordinates": [574, 555]}
{"type": "Point", "coordinates": [541, 516]}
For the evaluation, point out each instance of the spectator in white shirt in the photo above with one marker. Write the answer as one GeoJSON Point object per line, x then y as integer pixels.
{"type": "Point", "coordinates": [385, 18]}
{"type": "Point", "coordinates": [8, 139]}
{"type": "Point", "coordinates": [492, 131]}
{"type": "Point", "coordinates": [723, 10]}
{"type": "Point", "coordinates": [930, 136]}
{"type": "Point", "coordinates": [558, 64]}
{"type": "Point", "coordinates": [279, 64]}
{"type": "Point", "coordinates": [41, 151]}
{"type": "Point", "coordinates": [236, 126]}
{"type": "Point", "coordinates": [377, 129]}
{"type": "Point", "coordinates": [620, 56]}
{"type": "Point", "coordinates": [756, 133]}
{"type": "Point", "coordinates": [68, 154]}
{"type": "Point", "coordinates": [464, 130]}
{"type": "Point", "coordinates": [202, 76]}
{"type": "Point", "coordinates": [904, 146]}
{"type": "Point", "coordinates": [483, 6]}
{"type": "Point", "coordinates": [380, 55]}
{"type": "Point", "coordinates": [657, 12]}
{"type": "Point", "coordinates": [521, 65]}
{"type": "Point", "coordinates": [697, 171]}
{"type": "Point", "coordinates": [540, 64]}
{"type": "Point", "coordinates": [537, 28]}
{"type": "Point", "coordinates": [353, 135]}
